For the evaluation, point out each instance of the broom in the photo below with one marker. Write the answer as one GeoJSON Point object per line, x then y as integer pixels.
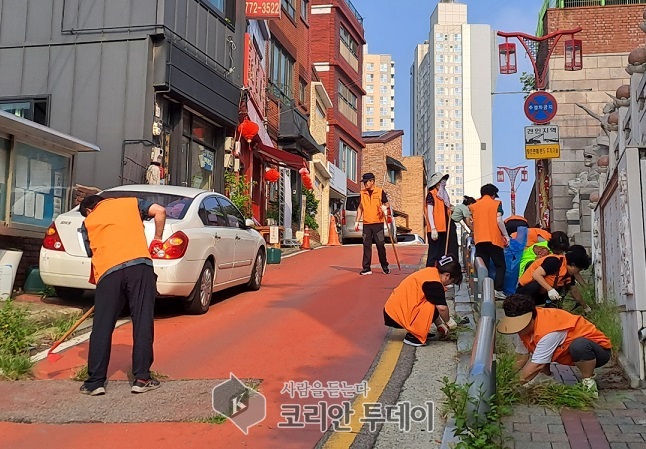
{"type": "Point", "coordinates": [51, 357]}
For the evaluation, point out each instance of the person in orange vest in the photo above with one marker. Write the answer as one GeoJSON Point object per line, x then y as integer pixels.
{"type": "Point", "coordinates": [419, 301]}
{"type": "Point", "coordinates": [513, 222]}
{"type": "Point", "coordinates": [490, 234]}
{"type": "Point", "coordinates": [122, 270]}
{"type": "Point", "coordinates": [372, 210]}
{"type": "Point", "coordinates": [439, 226]}
{"type": "Point", "coordinates": [535, 235]}
{"type": "Point", "coordinates": [553, 335]}
{"type": "Point", "coordinates": [547, 278]}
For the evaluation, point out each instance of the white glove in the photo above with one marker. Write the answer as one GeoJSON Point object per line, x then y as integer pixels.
{"type": "Point", "coordinates": [442, 330]}
{"type": "Point", "coordinates": [384, 209]}
{"type": "Point", "coordinates": [452, 324]}
{"type": "Point", "coordinates": [434, 234]}
{"type": "Point", "coordinates": [554, 295]}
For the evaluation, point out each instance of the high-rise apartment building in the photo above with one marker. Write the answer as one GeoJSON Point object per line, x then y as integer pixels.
{"type": "Point", "coordinates": [452, 78]}
{"type": "Point", "coordinates": [379, 84]}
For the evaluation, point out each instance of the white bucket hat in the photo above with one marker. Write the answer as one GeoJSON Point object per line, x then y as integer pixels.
{"type": "Point", "coordinates": [436, 178]}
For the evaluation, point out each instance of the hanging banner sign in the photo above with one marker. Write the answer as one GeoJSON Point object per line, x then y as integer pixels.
{"type": "Point", "coordinates": [542, 142]}
{"type": "Point", "coordinates": [263, 9]}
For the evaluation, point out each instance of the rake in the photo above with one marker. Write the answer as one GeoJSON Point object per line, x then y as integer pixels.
{"type": "Point", "coordinates": [51, 357]}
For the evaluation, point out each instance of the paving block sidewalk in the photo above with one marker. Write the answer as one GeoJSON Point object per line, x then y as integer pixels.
{"type": "Point", "coordinates": [618, 421]}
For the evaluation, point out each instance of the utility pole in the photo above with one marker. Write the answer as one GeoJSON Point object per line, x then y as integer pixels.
{"type": "Point", "coordinates": [512, 173]}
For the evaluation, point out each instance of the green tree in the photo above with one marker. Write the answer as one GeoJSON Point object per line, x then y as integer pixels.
{"type": "Point", "coordinates": [311, 207]}
{"type": "Point", "coordinates": [528, 81]}
{"type": "Point", "coordinates": [238, 191]}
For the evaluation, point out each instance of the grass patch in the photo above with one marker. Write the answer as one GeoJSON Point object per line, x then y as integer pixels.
{"type": "Point", "coordinates": [215, 419]}
{"type": "Point", "coordinates": [81, 374]}
{"type": "Point", "coordinates": [604, 315]}
{"type": "Point", "coordinates": [57, 327]}
{"type": "Point", "coordinates": [557, 396]}
{"type": "Point", "coordinates": [14, 367]}
{"type": "Point", "coordinates": [16, 336]}
{"type": "Point", "coordinates": [154, 374]}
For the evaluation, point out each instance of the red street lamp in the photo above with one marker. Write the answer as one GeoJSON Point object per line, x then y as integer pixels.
{"type": "Point", "coordinates": [507, 55]}
{"type": "Point", "coordinates": [512, 173]}
{"type": "Point", "coordinates": [544, 45]}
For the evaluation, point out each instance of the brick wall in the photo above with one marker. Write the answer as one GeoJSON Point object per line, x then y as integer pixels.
{"type": "Point", "coordinates": [606, 29]}
{"type": "Point", "coordinates": [413, 184]}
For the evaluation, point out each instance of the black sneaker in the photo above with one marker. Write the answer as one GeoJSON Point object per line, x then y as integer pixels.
{"type": "Point", "coordinates": [142, 386]}
{"type": "Point", "coordinates": [98, 391]}
{"type": "Point", "coordinates": [412, 340]}
{"type": "Point", "coordinates": [385, 269]}
{"type": "Point", "coordinates": [364, 272]}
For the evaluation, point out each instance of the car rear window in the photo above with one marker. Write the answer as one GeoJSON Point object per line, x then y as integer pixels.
{"type": "Point", "coordinates": [352, 202]}
{"type": "Point", "coordinates": [405, 238]}
{"type": "Point", "coordinates": [176, 205]}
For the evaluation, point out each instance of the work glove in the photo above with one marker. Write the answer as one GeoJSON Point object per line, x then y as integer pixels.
{"type": "Point", "coordinates": [442, 330]}
{"type": "Point", "coordinates": [155, 247]}
{"type": "Point", "coordinates": [452, 324]}
{"type": "Point", "coordinates": [554, 295]}
{"type": "Point", "coordinates": [434, 234]}
{"type": "Point", "coordinates": [507, 240]}
{"type": "Point", "coordinates": [356, 227]}
{"type": "Point", "coordinates": [384, 209]}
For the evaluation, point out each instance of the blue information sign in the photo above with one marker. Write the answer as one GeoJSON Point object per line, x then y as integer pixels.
{"type": "Point", "coordinates": [540, 107]}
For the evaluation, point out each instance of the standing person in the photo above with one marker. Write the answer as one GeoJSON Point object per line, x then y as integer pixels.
{"type": "Point", "coordinates": [553, 335]}
{"type": "Point", "coordinates": [439, 227]}
{"type": "Point", "coordinates": [373, 209]}
{"type": "Point", "coordinates": [490, 234]}
{"type": "Point", "coordinates": [123, 271]}
{"type": "Point", "coordinates": [547, 278]}
{"type": "Point", "coordinates": [419, 301]}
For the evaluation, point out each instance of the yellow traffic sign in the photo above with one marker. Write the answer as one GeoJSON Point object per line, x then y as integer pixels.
{"type": "Point", "coordinates": [542, 142]}
{"type": "Point", "coordinates": [550, 151]}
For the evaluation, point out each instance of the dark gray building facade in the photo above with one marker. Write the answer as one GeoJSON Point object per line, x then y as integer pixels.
{"type": "Point", "coordinates": [145, 80]}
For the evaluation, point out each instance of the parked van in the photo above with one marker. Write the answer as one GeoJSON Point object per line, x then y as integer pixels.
{"type": "Point", "coordinates": [349, 217]}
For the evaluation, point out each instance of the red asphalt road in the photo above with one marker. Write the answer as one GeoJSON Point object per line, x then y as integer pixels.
{"type": "Point", "coordinates": [313, 319]}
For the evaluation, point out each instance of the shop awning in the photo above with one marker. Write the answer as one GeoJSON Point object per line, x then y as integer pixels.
{"type": "Point", "coordinates": [394, 163]}
{"type": "Point", "coordinates": [294, 130]}
{"type": "Point", "coordinates": [43, 136]}
{"type": "Point", "coordinates": [280, 157]}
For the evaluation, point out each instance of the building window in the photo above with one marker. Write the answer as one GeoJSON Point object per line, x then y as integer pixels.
{"type": "Point", "coordinates": [349, 41]}
{"type": "Point", "coordinates": [439, 58]}
{"type": "Point", "coordinates": [457, 48]}
{"type": "Point", "coordinates": [440, 91]}
{"type": "Point", "coordinates": [282, 71]}
{"type": "Point", "coordinates": [439, 157]}
{"type": "Point", "coordinates": [439, 69]}
{"type": "Point", "coordinates": [347, 102]}
{"type": "Point", "coordinates": [458, 124]}
{"type": "Point", "coordinates": [288, 6]}
{"type": "Point", "coordinates": [383, 89]}
{"type": "Point", "coordinates": [370, 100]}
{"type": "Point", "coordinates": [370, 67]}
{"type": "Point", "coordinates": [348, 161]}
{"type": "Point", "coordinates": [457, 69]}
{"type": "Point", "coordinates": [458, 169]}
{"type": "Point", "coordinates": [320, 111]}
{"type": "Point", "coordinates": [226, 7]}
{"type": "Point", "coordinates": [370, 89]}
{"type": "Point", "coordinates": [457, 102]}
{"type": "Point", "coordinates": [383, 100]}
{"type": "Point", "coordinates": [458, 180]}
{"type": "Point", "coordinates": [457, 80]}
{"type": "Point", "coordinates": [302, 91]}
{"type": "Point", "coordinates": [457, 91]}
{"type": "Point", "coordinates": [383, 111]}
{"type": "Point", "coordinates": [305, 9]}
{"type": "Point", "coordinates": [439, 80]}
{"type": "Point", "coordinates": [392, 176]}
{"type": "Point", "coordinates": [440, 146]}
{"type": "Point", "coordinates": [383, 67]}
{"type": "Point", "coordinates": [439, 47]}
{"type": "Point", "coordinates": [198, 141]}
{"type": "Point", "coordinates": [458, 157]}
{"type": "Point", "coordinates": [457, 37]}
{"type": "Point", "coordinates": [370, 110]}
{"type": "Point", "coordinates": [458, 59]}
{"type": "Point", "coordinates": [440, 112]}
{"type": "Point", "coordinates": [370, 122]}
{"type": "Point", "coordinates": [370, 78]}
{"type": "Point", "coordinates": [383, 78]}
{"type": "Point", "coordinates": [34, 109]}
{"type": "Point", "coordinates": [439, 36]}
{"type": "Point", "coordinates": [384, 123]}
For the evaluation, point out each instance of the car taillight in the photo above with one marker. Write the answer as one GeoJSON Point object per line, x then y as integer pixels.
{"type": "Point", "coordinates": [52, 240]}
{"type": "Point", "coordinates": [343, 216]}
{"type": "Point", "coordinates": [174, 247]}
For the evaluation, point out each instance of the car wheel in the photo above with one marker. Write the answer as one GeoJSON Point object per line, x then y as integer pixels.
{"type": "Point", "coordinates": [200, 298]}
{"type": "Point", "coordinates": [72, 294]}
{"type": "Point", "coordinates": [256, 272]}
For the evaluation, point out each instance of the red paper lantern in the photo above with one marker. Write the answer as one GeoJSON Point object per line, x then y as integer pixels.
{"type": "Point", "coordinates": [248, 129]}
{"type": "Point", "coordinates": [272, 175]}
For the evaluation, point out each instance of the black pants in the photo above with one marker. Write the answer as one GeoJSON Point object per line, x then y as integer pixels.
{"type": "Point", "coordinates": [436, 248]}
{"type": "Point", "coordinates": [488, 251]}
{"type": "Point", "coordinates": [583, 349]}
{"type": "Point", "coordinates": [138, 285]}
{"type": "Point", "coordinates": [374, 231]}
{"type": "Point", "coordinates": [538, 293]}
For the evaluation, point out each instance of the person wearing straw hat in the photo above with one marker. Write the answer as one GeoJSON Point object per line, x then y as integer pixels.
{"type": "Point", "coordinates": [372, 210]}
{"type": "Point", "coordinates": [419, 301]}
{"type": "Point", "coordinates": [553, 335]}
{"type": "Point", "coordinates": [440, 229]}
{"type": "Point", "coordinates": [490, 234]}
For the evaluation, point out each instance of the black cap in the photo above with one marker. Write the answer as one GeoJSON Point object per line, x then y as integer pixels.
{"type": "Point", "coordinates": [367, 177]}
{"type": "Point", "coordinates": [489, 189]}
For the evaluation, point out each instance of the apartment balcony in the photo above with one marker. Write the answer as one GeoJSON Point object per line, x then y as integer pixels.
{"type": "Point", "coordinates": [354, 11]}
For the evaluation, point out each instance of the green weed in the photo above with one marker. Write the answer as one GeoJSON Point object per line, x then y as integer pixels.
{"type": "Point", "coordinates": [81, 374]}
{"type": "Point", "coordinates": [14, 367]}
{"type": "Point", "coordinates": [216, 419]}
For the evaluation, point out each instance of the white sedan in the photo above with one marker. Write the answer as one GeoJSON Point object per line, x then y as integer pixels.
{"type": "Point", "coordinates": [208, 246]}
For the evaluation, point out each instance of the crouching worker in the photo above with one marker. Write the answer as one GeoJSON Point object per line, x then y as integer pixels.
{"type": "Point", "coordinates": [553, 335]}
{"type": "Point", "coordinates": [549, 277]}
{"type": "Point", "coordinates": [419, 301]}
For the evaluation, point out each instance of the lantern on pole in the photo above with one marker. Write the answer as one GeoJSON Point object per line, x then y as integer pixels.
{"type": "Point", "coordinates": [523, 175]}
{"type": "Point", "coordinates": [501, 175]}
{"type": "Point", "coordinates": [272, 175]}
{"type": "Point", "coordinates": [248, 129]}
{"type": "Point", "coordinates": [573, 55]}
{"type": "Point", "coordinates": [507, 55]}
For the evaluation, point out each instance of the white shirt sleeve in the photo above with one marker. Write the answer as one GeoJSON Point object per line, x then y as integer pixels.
{"type": "Point", "coordinates": [520, 346]}
{"type": "Point", "coordinates": [547, 345]}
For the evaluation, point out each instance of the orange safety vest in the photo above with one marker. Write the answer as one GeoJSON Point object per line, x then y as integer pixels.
{"type": "Point", "coordinates": [554, 320]}
{"type": "Point", "coordinates": [408, 306]}
{"type": "Point", "coordinates": [371, 205]}
{"type": "Point", "coordinates": [532, 236]}
{"type": "Point", "coordinates": [515, 217]}
{"type": "Point", "coordinates": [116, 234]}
{"type": "Point", "coordinates": [439, 212]}
{"type": "Point", "coordinates": [555, 280]}
{"type": "Point", "coordinates": [485, 221]}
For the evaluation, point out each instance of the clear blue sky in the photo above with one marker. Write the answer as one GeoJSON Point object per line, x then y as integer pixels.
{"type": "Point", "coordinates": [397, 28]}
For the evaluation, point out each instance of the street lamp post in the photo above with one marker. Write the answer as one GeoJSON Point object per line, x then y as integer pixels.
{"type": "Point", "coordinates": [512, 173]}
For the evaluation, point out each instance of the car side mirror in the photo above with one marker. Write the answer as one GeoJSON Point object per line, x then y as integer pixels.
{"type": "Point", "coordinates": [249, 223]}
